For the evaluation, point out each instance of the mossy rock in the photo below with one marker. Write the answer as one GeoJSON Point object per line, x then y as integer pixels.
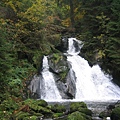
{"type": "Point", "coordinates": [115, 115]}
{"type": "Point", "coordinates": [87, 117]}
{"type": "Point", "coordinates": [36, 114]}
{"type": "Point", "coordinates": [57, 108]}
{"type": "Point", "coordinates": [57, 115]}
{"type": "Point", "coordinates": [85, 111]}
{"type": "Point", "coordinates": [76, 105]}
{"type": "Point", "coordinates": [40, 109]}
{"type": "Point", "coordinates": [28, 101]}
{"type": "Point", "coordinates": [76, 116]}
{"type": "Point", "coordinates": [42, 103]}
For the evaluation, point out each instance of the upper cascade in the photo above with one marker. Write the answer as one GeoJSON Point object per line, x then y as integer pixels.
{"type": "Point", "coordinates": [74, 46]}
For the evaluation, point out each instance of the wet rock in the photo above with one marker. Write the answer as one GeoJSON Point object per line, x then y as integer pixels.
{"type": "Point", "coordinates": [63, 47]}
{"type": "Point", "coordinates": [112, 111]}
{"type": "Point", "coordinates": [34, 87]}
{"type": "Point", "coordinates": [78, 116]}
{"type": "Point", "coordinates": [70, 84]}
{"type": "Point", "coordinates": [104, 114]}
{"type": "Point", "coordinates": [64, 76]}
{"type": "Point", "coordinates": [57, 63]}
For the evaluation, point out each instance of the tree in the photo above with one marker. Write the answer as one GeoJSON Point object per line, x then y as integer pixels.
{"type": "Point", "coordinates": [113, 44]}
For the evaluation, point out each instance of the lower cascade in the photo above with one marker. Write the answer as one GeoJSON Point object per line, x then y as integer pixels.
{"type": "Point", "coordinates": [48, 87]}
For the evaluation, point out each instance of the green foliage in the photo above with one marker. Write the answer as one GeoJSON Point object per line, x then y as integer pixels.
{"type": "Point", "coordinates": [99, 29]}
{"type": "Point", "coordinates": [56, 57]}
{"type": "Point", "coordinates": [115, 115]}
{"type": "Point", "coordinates": [28, 30]}
{"type": "Point", "coordinates": [42, 103]}
{"type": "Point", "coordinates": [7, 107]}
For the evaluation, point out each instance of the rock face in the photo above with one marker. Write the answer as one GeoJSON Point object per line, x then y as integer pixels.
{"type": "Point", "coordinates": [34, 86]}
{"type": "Point", "coordinates": [63, 47]}
{"type": "Point", "coordinates": [64, 76]}
{"type": "Point", "coordinates": [57, 63]}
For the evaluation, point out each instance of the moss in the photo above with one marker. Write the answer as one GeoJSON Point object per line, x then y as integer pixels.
{"type": "Point", "coordinates": [56, 57]}
{"type": "Point", "coordinates": [36, 114]}
{"type": "Point", "coordinates": [87, 117]}
{"type": "Point", "coordinates": [85, 111]}
{"type": "Point", "coordinates": [42, 103]}
{"type": "Point", "coordinates": [58, 108]}
{"type": "Point", "coordinates": [63, 75]}
{"type": "Point", "coordinates": [57, 115]}
{"type": "Point", "coordinates": [76, 116]}
{"type": "Point", "coordinates": [76, 106]}
{"type": "Point", "coordinates": [41, 109]}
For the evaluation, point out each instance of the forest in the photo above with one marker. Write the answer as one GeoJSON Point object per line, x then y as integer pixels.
{"type": "Point", "coordinates": [30, 29]}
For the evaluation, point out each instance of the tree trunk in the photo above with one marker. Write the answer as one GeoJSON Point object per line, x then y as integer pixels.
{"type": "Point", "coordinates": [72, 13]}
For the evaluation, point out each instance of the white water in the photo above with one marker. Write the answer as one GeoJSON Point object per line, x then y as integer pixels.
{"type": "Point", "coordinates": [91, 83]}
{"type": "Point", "coordinates": [49, 89]}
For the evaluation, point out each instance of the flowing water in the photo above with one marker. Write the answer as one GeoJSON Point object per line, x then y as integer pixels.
{"type": "Point", "coordinates": [92, 85]}
{"type": "Point", "coordinates": [91, 82]}
{"type": "Point", "coordinates": [49, 89]}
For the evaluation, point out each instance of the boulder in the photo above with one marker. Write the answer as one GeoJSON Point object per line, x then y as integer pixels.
{"type": "Point", "coordinates": [58, 108]}
{"type": "Point", "coordinates": [78, 116]}
{"type": "Point", "coordinates": [75, 106]}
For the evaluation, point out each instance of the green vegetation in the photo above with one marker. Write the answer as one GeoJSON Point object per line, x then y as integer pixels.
{"type": "Point", "coordinates": [100, 31]}
{"type": "Point", "coordinates": [30, 29]}
{"type": "Point", "coordinates": [31, 109]}
{"type": "Point", "coordinates": [115, 115]}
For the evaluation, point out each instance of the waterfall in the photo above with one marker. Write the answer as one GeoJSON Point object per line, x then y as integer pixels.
{"type": "Point", "coordinates": [91, 82]}
{"type": "Point", "coordinates": [49, 89]}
